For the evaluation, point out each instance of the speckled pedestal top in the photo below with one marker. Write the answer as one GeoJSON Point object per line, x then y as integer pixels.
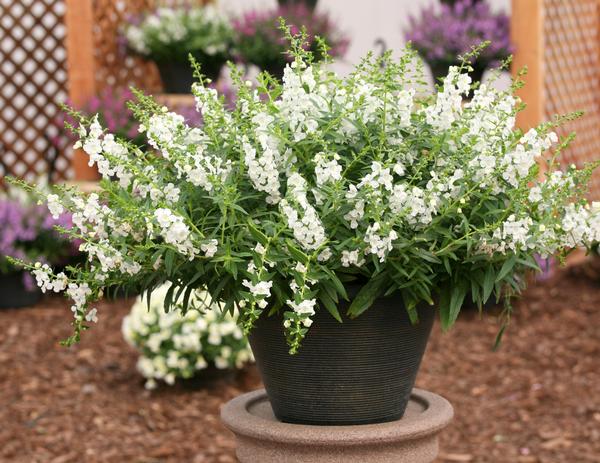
{"type": "Point", "coordinates": [263, 439]}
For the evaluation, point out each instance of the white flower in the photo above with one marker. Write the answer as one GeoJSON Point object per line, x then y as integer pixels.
{"type": "Point", "coordinates": [378, 244]}
{"type": "Point", "coordinates": [327, 170]}
{"type": "Point", "coordinates": [261, 289]}
{"type": "Point", "coordinates": [351, 258]}
{"type": "Point", "coordinates": [91, 316]}
{"type": "Point", "coordinates": [209, 249]}
{"type": "Point", "coordinates": [324, 255]}
{"type": "Point", "coordinates": [305, 307]}
{"type": "Point", "coordinates": [307, 229]}
{"type": "Point", "coordinates": [54, 206]}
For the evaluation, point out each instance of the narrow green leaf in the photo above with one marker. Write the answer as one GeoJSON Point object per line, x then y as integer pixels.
{"type": "Point", "coordinates": [428, 256]}
{"type": "Point", "coordinates": [169, 260]}
{"type": "Point", "coordinates": [339, 286]}
{"type": "Point", "coordinates": [169, 298]}
{"type": "Point", "coordinates": [367, 295]}
{"type": "Point", "coordinates": [330, 305]}
{"type": "Point", "coordinates": [444, 307]}
{"type": "Point", "coordinates": [257, 234]}
{"type": "Point", "coordinates": [216, 292]}
{"type": "Point", "coordinates": [488, 283]}
{"type": "Point", "coordinates": [296, 253]}
{"type": "Point", "coordinates": [447, 265]}
{"type": "Point", "coordinates": [506, 268]}
{"type": "Point", "coordinates": [499, 336]}
{"type": "Point", "coordinates": [186, 299]}
{"type": "Point", "coordinates": [459, 291]}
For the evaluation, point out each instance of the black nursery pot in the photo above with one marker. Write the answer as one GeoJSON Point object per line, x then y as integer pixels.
{"type": "Point", "coordinates": [13, 293]}
{"type": "Point", "coordinates": [178, 77]}
{"type": "Point", "coordinates": [357, 372]}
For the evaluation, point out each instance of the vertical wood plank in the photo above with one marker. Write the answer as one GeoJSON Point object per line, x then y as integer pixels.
{"type": "Point", "coordinates": [79, 21]}
{"type": "Point", "coordinates": [527, 34]}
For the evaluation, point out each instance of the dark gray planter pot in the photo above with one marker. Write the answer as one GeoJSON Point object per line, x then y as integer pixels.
{"type": "Point", "coordinates": [311, 4]}
{"type": "Point", "coordinates": [13, 293]}
{"type": "Point", "coordinates": [357, 372]}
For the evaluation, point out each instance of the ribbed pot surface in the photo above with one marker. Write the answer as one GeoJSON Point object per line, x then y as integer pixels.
{"type": "Point", "coordinates": [357, 372]}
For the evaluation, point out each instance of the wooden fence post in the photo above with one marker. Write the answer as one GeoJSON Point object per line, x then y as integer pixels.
{"type": "Point", "coordinates": [79, 21]}
{"type": "Point", "coordinates": [527, 34]}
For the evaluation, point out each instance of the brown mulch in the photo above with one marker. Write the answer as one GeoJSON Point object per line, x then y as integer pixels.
{"type": "Point", "coordinates": [536, 400]}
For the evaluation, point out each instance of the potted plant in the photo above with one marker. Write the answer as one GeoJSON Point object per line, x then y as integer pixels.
{"type": "Point", "coordinates": [196, 345]}
{"type": "Point", "coordinates": [27, 232]}
{"type": "Point", "coordinates": [169, 35]}
{"type": "Point", "coordinates": [338, 215]}
{"type": "Point", "coordinates": [259, 41]}
{"type": "Point", "coordinates": [442, 33]}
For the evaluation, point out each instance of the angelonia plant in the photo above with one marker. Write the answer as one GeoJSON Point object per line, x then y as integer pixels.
{"type": "Point", "coordinates": [324, 182]}
{"type": "Point", "coordinates": [174, 346]}
{"type": "Point", "coordinates": [171, 33]}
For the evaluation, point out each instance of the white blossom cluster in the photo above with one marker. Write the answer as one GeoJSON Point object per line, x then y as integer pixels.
{"type": "Point", "coordinates": [301, 216]}
{"type": "Point", "coordinates": [167, 26]}
{"type": "Point", "coordinates": [173, 345]}
{"type": "Point", "coordinates": [321, 180]}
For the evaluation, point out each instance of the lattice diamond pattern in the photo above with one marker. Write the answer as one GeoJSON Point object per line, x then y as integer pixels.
{"type": "Point", "coordinates": [572, 70]}
{"type": "Point", "coordinates": [113, 66]}
{"type": "Point", "coordinates": [32, 78]}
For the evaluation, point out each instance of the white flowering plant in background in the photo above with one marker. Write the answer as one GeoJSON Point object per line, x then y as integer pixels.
{"type": "Point", "coordinates": [171, 33]}
{"type": "Point", "coordinates": [321, 182]}
{"type": "Point", "coordinates": [174, 346]}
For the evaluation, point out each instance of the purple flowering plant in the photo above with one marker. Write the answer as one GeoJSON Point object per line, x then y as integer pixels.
{"type": "Point", "coordinates": [111, 106]}
{"type": "Point", "coordinates": [29, 232]}
{"type": "Point", "coordinates": [258, 39]}
{"type": "Point", "coordinates": [442, 33]}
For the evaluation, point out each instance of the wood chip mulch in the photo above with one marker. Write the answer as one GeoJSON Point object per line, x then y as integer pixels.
{"type": "Point", "coordinates": [536, 400]}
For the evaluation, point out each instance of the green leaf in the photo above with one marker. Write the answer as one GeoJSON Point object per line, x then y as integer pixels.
{"type": "Point", "coordinates": [531, 263]}
{"type": "Point", "coordinates": [196, 277]}
{"type": "Point", "coordinates": [447, 265]}
{"type": "Point", "coordinates": [216, 292]}
{"type": "Point", "coordinates": [428, 256]}
{"type": "Point", "coordinates": [330, 290]}
{"type": "Point", "coordinates": [410, 305]}
{"type": "Point", "coordinates": [257, 234]}
{"type": "Point", "coordinates": [169, 260]}
{"type": "Point", "coordinates": [499, 336]}
{"type": "Point", "coordinates": [169, 298]}
{"type": "Point", "coordinates": [186, 299]}
{"type": "Point", "coordinates": [296, 253]}
{"type": "Point", "coordinates": [367, 295]}
{"type": "Point", "coordinates": [339, 286]}
{"type": "Point", "coordinates": [488, 283]}
{"type": "Point", "coordinates": [451, 300]}
{"type": "Point", "coordinates": [330, 305]}
{"type": "Point", "coordinates": [506, 268]}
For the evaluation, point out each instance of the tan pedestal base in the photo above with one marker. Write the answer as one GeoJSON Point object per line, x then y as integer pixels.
{"type": "Point", "coordinates": [263, 439]}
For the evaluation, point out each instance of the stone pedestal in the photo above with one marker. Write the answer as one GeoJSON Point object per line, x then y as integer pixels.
{"type": "Point", "coordinates": [263, 439]}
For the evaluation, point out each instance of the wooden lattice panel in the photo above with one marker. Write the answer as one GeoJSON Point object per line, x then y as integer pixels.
{"type": "Point", "coordinates": [571, 67]}
{"type": "Point", "coordinates": [113, 66]}
{"type": "Point", "coordinates": [33, 77]}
